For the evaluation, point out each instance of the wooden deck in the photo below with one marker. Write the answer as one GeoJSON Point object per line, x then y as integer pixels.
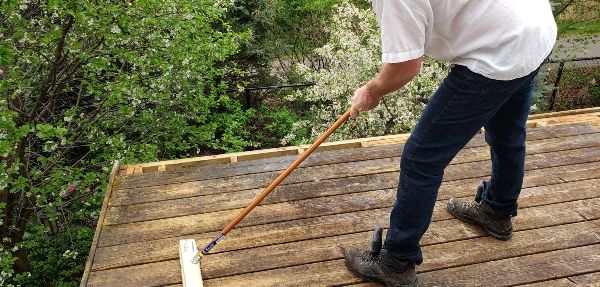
{"type": "Point", "coordinates": [336, 199]}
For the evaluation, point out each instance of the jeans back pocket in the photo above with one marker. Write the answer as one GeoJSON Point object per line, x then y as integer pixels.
{"type": "Point", "coordinates": [494, 92]}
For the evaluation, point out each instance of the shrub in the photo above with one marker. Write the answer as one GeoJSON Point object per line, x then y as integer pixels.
{"type": "Point", "coordinates": [354, 53]}
{"type": "Point", "coordinates": [84, 83]}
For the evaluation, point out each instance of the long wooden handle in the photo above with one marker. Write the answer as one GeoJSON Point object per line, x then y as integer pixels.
{"type": "Point", "coordinates": [287, 172]}
{"type": "Point", "coordinates": [271, 186]}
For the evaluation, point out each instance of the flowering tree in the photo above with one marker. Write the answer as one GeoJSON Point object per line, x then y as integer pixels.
{"type": "Point", "coordinates": [82, 84]}
{"type": "Point", "coordinates": [354, 56]}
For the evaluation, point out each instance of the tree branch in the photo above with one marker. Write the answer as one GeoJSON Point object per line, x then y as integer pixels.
{"type": "Point", "coordinates": [51, 79]}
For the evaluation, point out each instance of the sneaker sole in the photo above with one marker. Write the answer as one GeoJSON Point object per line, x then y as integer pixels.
{"type": "Point", "coordinates": [498, 235]}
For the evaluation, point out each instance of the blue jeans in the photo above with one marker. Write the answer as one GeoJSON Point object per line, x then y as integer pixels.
{"type": "Point", "coordinates": [464, 102]}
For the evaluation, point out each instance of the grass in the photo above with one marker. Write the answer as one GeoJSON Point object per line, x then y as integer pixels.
{"type": "Point", "coordinates": [579, 28]}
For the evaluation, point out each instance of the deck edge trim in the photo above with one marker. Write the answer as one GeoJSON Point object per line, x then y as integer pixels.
{"type": "Point", "coordinates": [111, 183]}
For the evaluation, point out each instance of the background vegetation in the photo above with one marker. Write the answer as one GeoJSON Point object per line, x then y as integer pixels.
{"type": "Point", "coordinates": [83, 83]}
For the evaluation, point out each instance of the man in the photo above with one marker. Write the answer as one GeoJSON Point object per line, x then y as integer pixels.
{"type": "Point", "coordinates": [496, 47]}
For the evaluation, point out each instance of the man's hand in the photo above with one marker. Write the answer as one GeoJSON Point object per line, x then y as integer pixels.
{"type": "Point", "coordinates": [363, 100]}
{"type": "Point", "coordinates": [391, 77]}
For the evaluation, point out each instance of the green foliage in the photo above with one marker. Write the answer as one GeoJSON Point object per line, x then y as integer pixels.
{"type": "Point", "coordinates": [578, 87]}
{"type": "Point", "coordinates": [270, 125]}
{"type": "Point", "coordinates": [354, 52]}
{"type": "Point", "coordinates": [58, 260]}
{"type": "Point", "coordinates": [543, 86]}
{"type": "Point", "coordinates": [580, 28]}
{"type": "Point", "coordinates": [293, 29]}
{"type": "Point", "coordinates": [577, 21]}
{"type": "Point", "coordinates": [84, 83]}
{"type": "Point", "coordinates": [577, 16]}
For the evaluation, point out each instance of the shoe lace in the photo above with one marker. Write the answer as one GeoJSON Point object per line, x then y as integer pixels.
{"type": "Point", "coordinates": [376, 245]}
{"type": "Point", "coordinates": [370, 256]}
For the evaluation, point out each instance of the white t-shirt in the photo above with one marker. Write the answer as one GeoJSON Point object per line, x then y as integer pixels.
{"type": "Point", "coordinates": [500, 39]}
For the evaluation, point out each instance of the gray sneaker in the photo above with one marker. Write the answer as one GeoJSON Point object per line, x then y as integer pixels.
{"type": "Point", "coordinates": [476, 211]}
{"type": "Point", "coordinates": [377, 265]}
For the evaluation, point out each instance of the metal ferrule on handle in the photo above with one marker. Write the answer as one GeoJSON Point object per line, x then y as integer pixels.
{"type": "Point", "coordinates": [212, 244]}
{"type": "Point", "coordinates": [207, 248]}
{"type": "Point", "coordinates": [272, 186]}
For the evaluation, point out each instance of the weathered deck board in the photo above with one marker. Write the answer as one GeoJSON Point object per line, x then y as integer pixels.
{"type": "Point", "coordinates": [516, 270]}
{"type": "Point", "coordinates": [530, 218]}
{"type": "Point", "coordinates": [566, 262]}
{"type": "Point", "coordinates": [541, 268]}
{"type": "Point", "coordinates": [192, 205]}
{"type": "Point", "coordinates": [330, 223]}
{"type": "Point", "coordinates": [328, 187]}
{"type": "Point", "coordinates": [563, 282]}
{"type": "Point", "coordinates": [440, 256]}
{"type": "Point", "coordinates": [590, 279]}
{"type": "Point", "coordinates": [339, 170]}
{"type": "Point", "coordinates": [339, 224]}
{"type": "Point", "coordinates": [214, 221]}
{"type": "Point", "coordinates": [336, 198]}
{"type": "Point", "coordinates": [325, 158]}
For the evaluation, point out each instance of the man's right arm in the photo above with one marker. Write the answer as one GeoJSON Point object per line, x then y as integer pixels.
{"type": "Point", "coordinates": [391, 77]}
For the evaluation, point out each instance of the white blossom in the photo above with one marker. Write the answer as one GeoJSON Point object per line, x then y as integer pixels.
{"type": "Point", "coordinates": [353, 54]}
{"type": "Point", "coordinates": [70, 254]}
{"type": "Point", "coordinates": [115, 29]}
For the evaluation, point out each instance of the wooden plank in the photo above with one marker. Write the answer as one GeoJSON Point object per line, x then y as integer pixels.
{"type": "Point", "coordinates": [258, 154]}
{"type": "Point", "coordinates": [332, 225]}
{"type": "Point", "coordinates": [536, 121]}
{"type": "Point", "coordinates": [438, 256]}
{"type": "Point", "coordinates": [255, 166]}
{"type": "Point", "coordinates": [280, 163]}
{"type": "Point", "coordinates": [214, 221]}
{"type": "Point", "coordinates": [485, 249]}
{"type": "Point", "coordinates": [190, 272]}
{"type": "Point", "coordinates": [519, 270]}
{"type": "Point", "coordinates": [563, 282]}
{"type": "Point", "coordinates": [153, 274]}
{"type": "Point", "coordinates": [111, 182]}
{"type": "Point", "coordinates": [524, 269]}
{"type": "Point", "coordinates": [565, 119]}
{"type": "Point", "coordinates": [194, 205]}
{"type": "Point", "coordinates": [590, 279]}
{"type": "Point", "coordinates": [218, 202]}
{"type": "Point", "coordinates": [591, 210]}
{"type": "Point", "coordinates": [129, 170]}
{"type": "Point", "coordinates": [318, 173]}
{"type": "Point", "coordinates": [301, 190]}
{"type": "Point", "coordinates": [239, 199]}
{"type": "Point", "coordinates": [564, 113]}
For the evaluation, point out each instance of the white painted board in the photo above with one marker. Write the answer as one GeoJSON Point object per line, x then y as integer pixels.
{"type": "Point", "coordinates": [190, 272]}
